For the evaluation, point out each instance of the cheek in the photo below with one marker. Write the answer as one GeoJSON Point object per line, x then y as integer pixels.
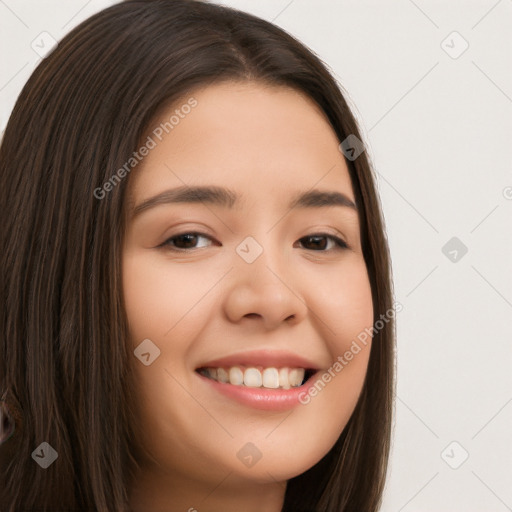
{"type": "Point", "coordinates": [167, 307]}
{"type": "Point", "coordinates": [156, 298]}
{"type": "Point", "coordinates": [347, 311]}
{"type": "Point", "coordinates": [345, 304]}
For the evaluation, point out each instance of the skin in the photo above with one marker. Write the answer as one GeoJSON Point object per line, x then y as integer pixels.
{"type": "Point", "coordinates": [266, 143]}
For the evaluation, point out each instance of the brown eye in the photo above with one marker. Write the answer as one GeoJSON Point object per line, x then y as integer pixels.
{"type": "Point", "coordinates": [184, 241]}
{"type": "Point", "coordinates": [319, 242]}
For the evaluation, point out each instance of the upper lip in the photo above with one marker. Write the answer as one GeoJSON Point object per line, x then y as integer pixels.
{"type": "Point", "coordinates": [265, 358]}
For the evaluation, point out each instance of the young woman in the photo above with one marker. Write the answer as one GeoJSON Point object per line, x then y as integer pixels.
{"type": "Point", "coordinates": [196, 288]}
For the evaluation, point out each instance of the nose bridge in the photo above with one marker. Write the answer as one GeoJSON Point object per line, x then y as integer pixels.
{"type": "Point", "coordinates": [262, 255]}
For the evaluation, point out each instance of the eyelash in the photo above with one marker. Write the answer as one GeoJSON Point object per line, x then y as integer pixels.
{"type": "Point", "coordinates": [340, 244]}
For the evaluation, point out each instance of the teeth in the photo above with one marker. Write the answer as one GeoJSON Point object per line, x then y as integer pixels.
{"type": "Point", "coordinates": [252, 378]}
{"type": "Point", "coordinates": [284, 381]}
{"type": "Point", "coordinates": [236, 376]}
{"type": "Point", "coordinates": [222, 375]}
{"type": "Point", "coordinates": [212, 372]}
{"type": "Point", "coordinates": [271, 378]}
{"type": "Point", "coordinates": [296, 376]}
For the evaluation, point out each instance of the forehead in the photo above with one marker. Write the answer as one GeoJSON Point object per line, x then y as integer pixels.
{"type": "Point", "coordinates": [255, 138]}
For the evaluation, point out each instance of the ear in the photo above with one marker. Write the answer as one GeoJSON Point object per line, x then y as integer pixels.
{"type": "Point", "coordinates": [6, 423]}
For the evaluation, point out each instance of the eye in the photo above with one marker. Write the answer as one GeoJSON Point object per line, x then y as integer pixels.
{"type": "Point", "coordinates": [184, 241]}
{"type": "Point", "coordinates": [320, 242]}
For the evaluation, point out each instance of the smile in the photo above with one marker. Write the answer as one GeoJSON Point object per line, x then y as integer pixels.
{"type": "Point", "coordinates": [258, 397]}
{"type": "Point", "coordinates": [258, 377]}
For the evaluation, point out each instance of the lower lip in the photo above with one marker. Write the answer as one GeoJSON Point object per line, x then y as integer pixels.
{"type": "Point", "coordinates": [262, 398]}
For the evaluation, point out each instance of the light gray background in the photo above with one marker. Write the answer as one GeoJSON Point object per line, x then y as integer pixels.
{"type": "Point", "coordinates": [439, 131]}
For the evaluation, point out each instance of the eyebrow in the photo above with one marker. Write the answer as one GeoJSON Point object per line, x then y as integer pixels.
{"type": "Point", "coordinates": [226, 198]}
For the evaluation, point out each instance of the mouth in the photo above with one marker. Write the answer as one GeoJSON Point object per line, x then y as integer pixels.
{"type": "Point", "coordinates": [269, 380]}
{"type": "Point", "coordinates": [280, 378]}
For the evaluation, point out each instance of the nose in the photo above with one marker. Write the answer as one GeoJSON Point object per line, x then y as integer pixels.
{"type": "Point", "coordinates": [266, 291]}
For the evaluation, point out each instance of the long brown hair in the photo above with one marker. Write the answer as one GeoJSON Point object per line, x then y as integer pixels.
{"type": "Point", "coordinates": [64, 356]}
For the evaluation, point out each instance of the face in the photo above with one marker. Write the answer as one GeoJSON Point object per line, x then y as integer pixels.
{"type": "Point", "coordinates": [250, 281]}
